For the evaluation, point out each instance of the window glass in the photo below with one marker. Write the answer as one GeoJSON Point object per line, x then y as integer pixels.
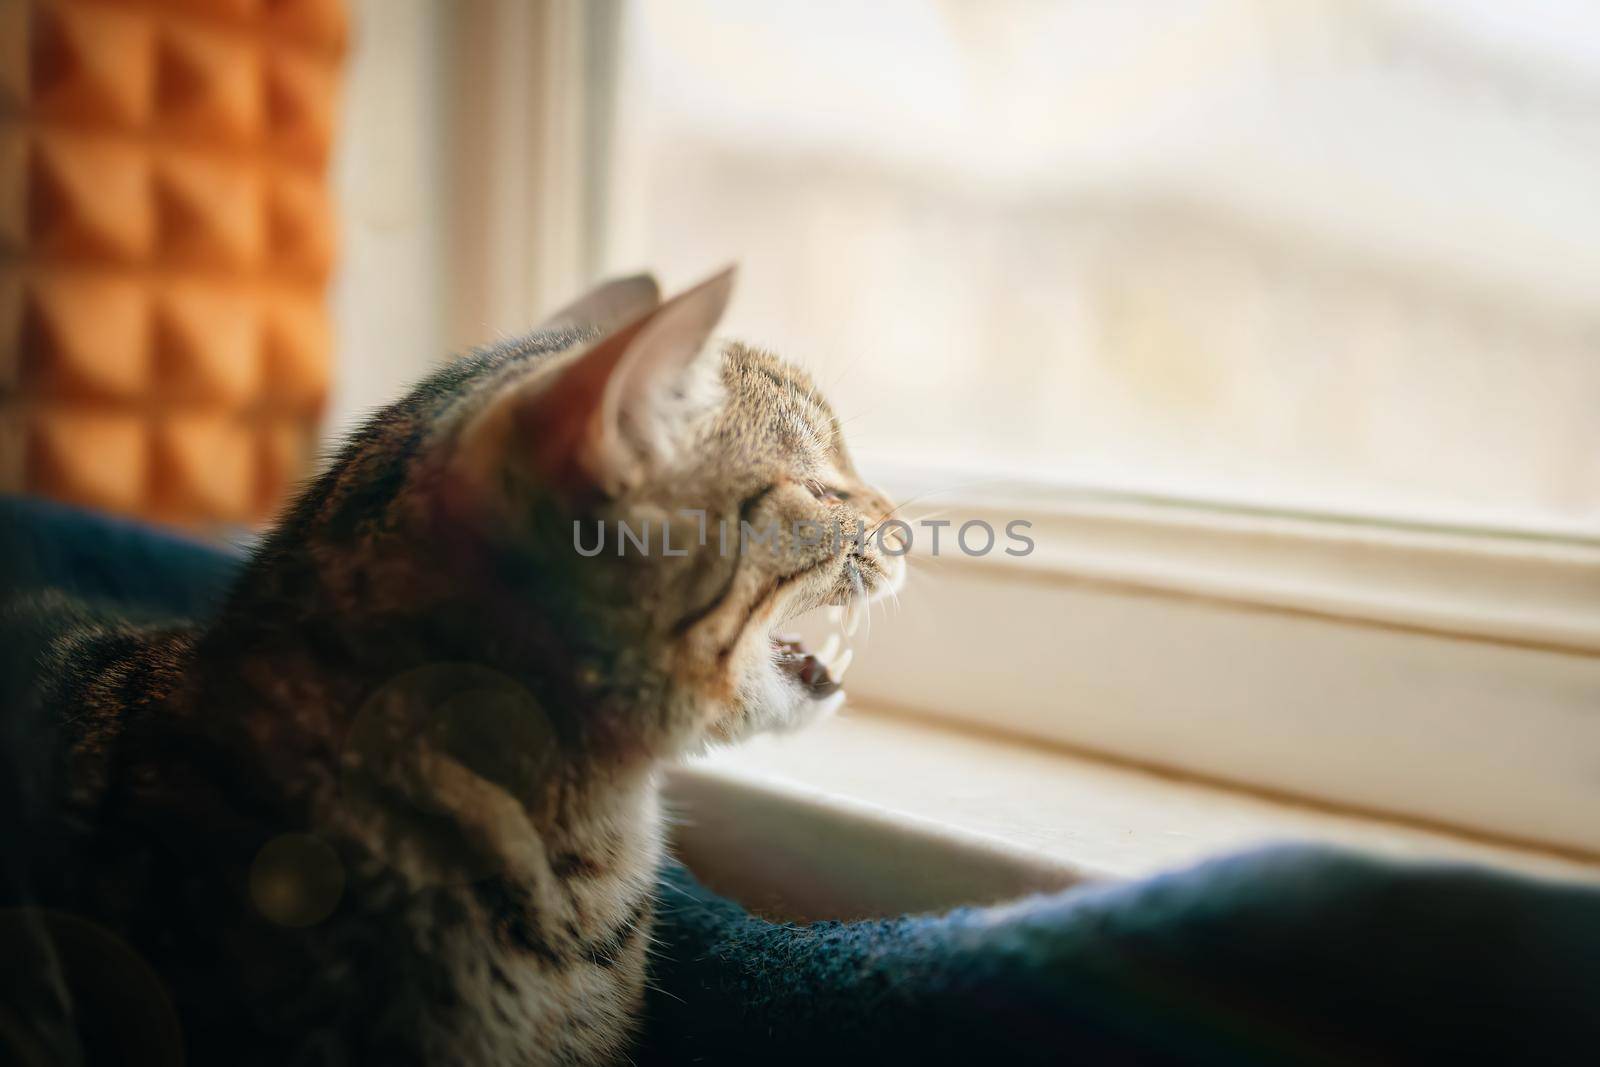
{"type": "Point", "coordinates": [1309, 255]}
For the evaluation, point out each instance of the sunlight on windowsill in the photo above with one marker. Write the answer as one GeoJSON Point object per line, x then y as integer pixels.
{"type": "Point", "coordinates": [1074, 812]}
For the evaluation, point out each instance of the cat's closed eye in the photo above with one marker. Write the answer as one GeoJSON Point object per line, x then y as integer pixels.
{"type": "Point", "coordinates": [827, 494]}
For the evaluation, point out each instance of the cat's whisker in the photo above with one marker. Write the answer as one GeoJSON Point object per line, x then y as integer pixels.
{"type": "Point", "coordinates": [846, 370]}
{"type": "Point", "coordinates": [679, 890]}
{"type": "Point", "coordinates": [837, 669]}
{"type": "Point", "coordinates": [655, 988]}
{"type": "Point", "coordinates": [894, 597]}
{"type": "Point", "coordinates": [928, 516]}
{"type": "Point", "coordinates": [892, 512]}
{"type": "Point", "coordinates": [829, 650]}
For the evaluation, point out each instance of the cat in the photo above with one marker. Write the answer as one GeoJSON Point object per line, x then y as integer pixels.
{"type": "Point", "coordinates": [397, 802]}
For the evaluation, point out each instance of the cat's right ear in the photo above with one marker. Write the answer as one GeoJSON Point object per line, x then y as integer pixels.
{"type": "Point", "coordinates": [603, 420]}
{"type": "Point", "coordinates": [609, 304]}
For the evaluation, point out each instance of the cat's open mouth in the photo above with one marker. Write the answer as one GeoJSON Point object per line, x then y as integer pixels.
{"type": "Point", "coordinates": [818, 673]}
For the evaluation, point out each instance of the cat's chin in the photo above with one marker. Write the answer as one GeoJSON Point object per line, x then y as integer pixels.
{"type": "Point", "coordinates": [786, 690]}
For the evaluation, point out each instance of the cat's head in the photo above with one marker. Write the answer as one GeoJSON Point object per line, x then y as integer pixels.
{"type": "Point", "coordinates": [661, 503]}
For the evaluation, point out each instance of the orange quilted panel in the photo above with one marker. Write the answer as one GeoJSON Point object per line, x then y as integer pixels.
{"type": "Point", "coordinates": [166, 239]}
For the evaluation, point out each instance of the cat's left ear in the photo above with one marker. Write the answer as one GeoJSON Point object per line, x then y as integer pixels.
{"type": "Point", "coordinates": [607, 418]}
{"type": "Point", "coordinates": [609, 304]}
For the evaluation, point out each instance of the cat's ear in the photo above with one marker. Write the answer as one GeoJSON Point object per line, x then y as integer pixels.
{"type": "Point", "coordinates": [611, 303]}
{"type": "Point", "coordinates": [619, 409]}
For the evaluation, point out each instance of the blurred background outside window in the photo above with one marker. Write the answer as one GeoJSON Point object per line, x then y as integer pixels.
{"type": "Point", "coordinates": [1313, 256]}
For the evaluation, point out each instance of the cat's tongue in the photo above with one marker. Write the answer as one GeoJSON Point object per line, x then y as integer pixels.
{"type": "Point", "coordinates": [806, 668]}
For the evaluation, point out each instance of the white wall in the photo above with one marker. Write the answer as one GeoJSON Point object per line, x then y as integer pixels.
{"type": "Point", "coordinates": [389, 295]}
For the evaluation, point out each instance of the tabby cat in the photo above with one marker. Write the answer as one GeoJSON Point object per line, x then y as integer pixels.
{"type": "Point", "coordinates": [397, 803]}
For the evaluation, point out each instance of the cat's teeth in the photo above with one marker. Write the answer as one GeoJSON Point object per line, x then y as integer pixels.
{"type": "Point", "coordinates": [830, 704]}
{"type": "Point", "coordinates": [829, 649]}
{"type": "Point", "coordinates": [836, 670]}
{"type": "Point", "coordinates": [833, 614]}
{"type": "Point", "coordinates": [852, 618]}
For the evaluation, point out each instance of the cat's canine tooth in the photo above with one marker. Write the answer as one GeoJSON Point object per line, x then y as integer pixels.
{"type": "Point", "coordinates": [836, 670]}
{"type": "Point", "coordinates": [829, 649]}
{"type": "Point", "coordinates": [830, 704]}
{"type": "Point", "coordinates": [833, 614]}
{"type": "Point", "coordinates": [852, 618]}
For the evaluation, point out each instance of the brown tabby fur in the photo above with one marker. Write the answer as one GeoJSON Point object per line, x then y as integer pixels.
{"type": "Point", "coordinates": [457, 719]}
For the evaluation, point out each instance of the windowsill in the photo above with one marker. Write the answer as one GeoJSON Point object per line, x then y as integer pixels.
{"type": "Point", "coordinates": [873, 813]}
